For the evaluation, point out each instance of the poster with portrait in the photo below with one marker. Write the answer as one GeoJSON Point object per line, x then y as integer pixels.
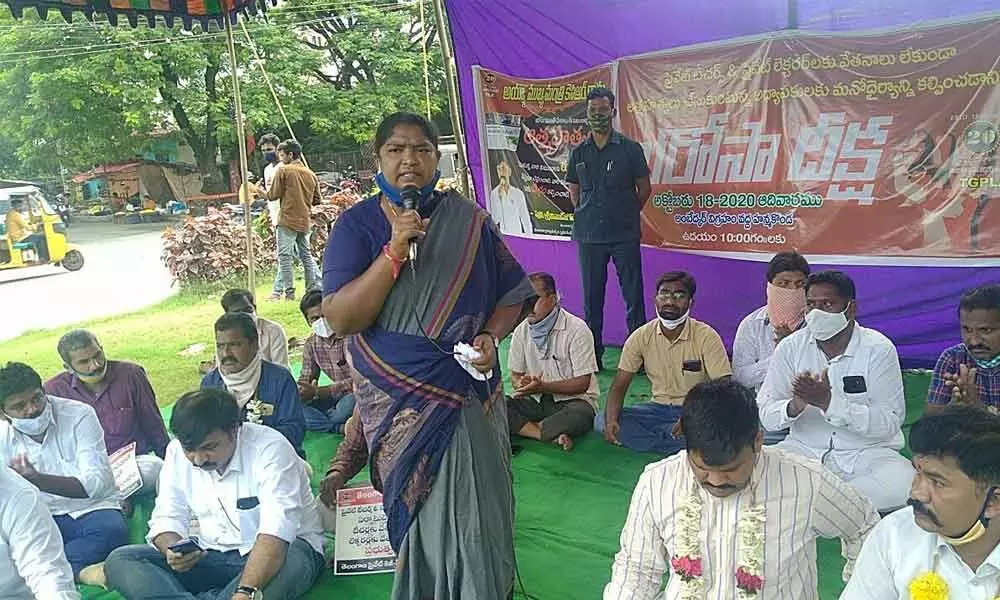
{"type": "Point", "coordinates": [528, 127]}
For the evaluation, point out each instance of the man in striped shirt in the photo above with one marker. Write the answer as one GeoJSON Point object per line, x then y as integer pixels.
{"type": "Point", "coordinates": [728, 513]}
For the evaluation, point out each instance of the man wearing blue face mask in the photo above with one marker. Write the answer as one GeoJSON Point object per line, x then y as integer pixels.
{"type": "Point", "coordinates": [838, 387]}
{"type": "Point", "coordinates": [326, 407]}
{"type": "Point", "coordinates": [553, 368]}
{"type": "Point", "coordinates": [57, 445]}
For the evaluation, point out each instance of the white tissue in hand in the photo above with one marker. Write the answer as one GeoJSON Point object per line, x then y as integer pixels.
{"type": "Point", "coordinates": [465, 354]}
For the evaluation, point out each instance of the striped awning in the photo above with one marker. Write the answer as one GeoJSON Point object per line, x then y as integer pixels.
{"type": "Point", "coordinates": [187, 11]}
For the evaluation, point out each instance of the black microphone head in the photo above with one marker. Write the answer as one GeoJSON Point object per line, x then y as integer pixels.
{"type": "Point", "coordinates": [411, 197]}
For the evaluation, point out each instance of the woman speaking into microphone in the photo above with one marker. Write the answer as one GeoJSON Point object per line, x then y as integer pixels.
{"type": "Point", "coordinates": [436, 429]}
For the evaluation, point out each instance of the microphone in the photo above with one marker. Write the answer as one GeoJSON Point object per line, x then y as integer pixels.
{"type": "Point", "coordinates": [411, 196]}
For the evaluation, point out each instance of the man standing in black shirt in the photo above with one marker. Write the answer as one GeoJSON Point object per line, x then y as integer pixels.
{"type": "Point", "coordinates": [608, 184]}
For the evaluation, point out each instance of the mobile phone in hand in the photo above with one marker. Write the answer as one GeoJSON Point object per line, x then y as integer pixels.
{"type": "Point", "coordinates": [185, 546]}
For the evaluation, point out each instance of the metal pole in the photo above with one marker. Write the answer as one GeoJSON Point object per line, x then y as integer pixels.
{"type": "Point", "coordinates": [793, 14]}
{"type": "Point", "coordinates": [241, 143]}
{"type": "Point", "coordinates": [423, 50]}
{"type": "Point", "coordinates": [453, 105]}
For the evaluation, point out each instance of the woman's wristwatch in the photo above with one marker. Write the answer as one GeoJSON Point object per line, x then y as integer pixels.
{"type": "Point", "coordinates": [250, 592]}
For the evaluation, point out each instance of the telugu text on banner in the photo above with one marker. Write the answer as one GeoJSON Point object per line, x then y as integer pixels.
{"type": "Point", "coordinates": [874, 144]}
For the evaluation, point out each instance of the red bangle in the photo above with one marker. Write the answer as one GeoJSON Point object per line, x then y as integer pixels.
{"type": "Point", "coordinates": [397, 263]}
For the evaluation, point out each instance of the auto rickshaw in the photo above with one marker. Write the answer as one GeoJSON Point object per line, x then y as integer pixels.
{"type": "Point", "coordinates": [42, 218]}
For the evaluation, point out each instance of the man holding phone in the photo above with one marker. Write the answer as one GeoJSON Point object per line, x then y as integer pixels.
{"type": "Point", "coordinates": [261, 533]}
{"type": "Point", "coordinates": [838, 387]}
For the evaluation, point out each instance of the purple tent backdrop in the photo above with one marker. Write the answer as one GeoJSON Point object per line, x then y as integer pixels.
{"type": "Point", "coordinates": [913, 305]}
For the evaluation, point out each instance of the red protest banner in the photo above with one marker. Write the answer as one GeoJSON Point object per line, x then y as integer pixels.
{"type": "Point", "coordinates": [862, 144]}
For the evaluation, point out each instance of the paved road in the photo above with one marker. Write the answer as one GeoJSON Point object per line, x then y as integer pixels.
{"type": "Point", "coordinates": [122, 272]}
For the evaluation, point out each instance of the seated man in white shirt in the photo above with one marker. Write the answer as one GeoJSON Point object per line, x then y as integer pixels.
{"type": "Point", "coordinates": [273, 342]}
{"type": "Point", "coordinates": [948, 538]}
{"type": "Point", "coordinates": [554, 370]}
{"type": "Point", "coordinates": [761, 330]}
{"type": "Point", "coordinates": [260, 530]}
{"type": "Point", "coordinates": [57, 445]}
{"type": "Point", "coordinates": [728, 514]}
{"type": "Point", "coordinates": [32, 561]}
{"type": "Point", "coordinates": [839, 388]}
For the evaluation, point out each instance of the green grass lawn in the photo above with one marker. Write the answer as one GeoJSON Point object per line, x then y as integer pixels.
{"type": "Point", "coordinates": [570, 507]}
{"type": "Point", "coordinates": [155, 337]}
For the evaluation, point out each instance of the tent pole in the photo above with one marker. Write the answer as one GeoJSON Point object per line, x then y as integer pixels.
{"type": "Point", "coordinates": [241, 144]}
{"type": "Point", "coordinates": [793, 14]}
{"type": "Point", "coordinates": [453, 104]}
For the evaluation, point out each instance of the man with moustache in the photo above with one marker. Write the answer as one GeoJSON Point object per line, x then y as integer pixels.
{"type": "Point", "coordinates": [554, 371]}
{"type": "Point", "coordinates": [838, 387]}
{"type": "Point", "coordinates": [969, 373]}
{"type": "Point", "coordinates": [677, 353]}
{"type": "Point", "coordinates": [260, 531]}
{"type": "Point", "coordinates": [947, 538]}
{"type": "Point", "coordinates": [265, 392]}
{"type": "Point", "coordinates": [730, 518]}
{"type": "Point", "coordinates": [608, 181]}
{"type": "Point", "coordinates": [120, 394]}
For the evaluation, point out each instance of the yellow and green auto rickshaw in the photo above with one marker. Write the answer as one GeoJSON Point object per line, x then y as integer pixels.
{"type": "Point", "coordinates": [47, 244]}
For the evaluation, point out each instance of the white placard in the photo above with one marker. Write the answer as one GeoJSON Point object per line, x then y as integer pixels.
{"type": "Point", "coordinates": [126, 470]}
{"type": "Point", "coordinates": [362, 539]}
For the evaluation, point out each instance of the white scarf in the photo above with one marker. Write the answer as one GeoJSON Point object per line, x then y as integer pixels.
{"type": "Point", "coordinates": [243, 384]}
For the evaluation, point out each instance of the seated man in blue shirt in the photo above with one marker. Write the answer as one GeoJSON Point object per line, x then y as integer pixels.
{"type": "Point", "coordinates": [266, 392]}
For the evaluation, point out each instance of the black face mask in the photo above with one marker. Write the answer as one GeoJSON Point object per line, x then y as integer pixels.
{"type": "Point", "coordinates": [271, 157]}
{"type": "Point", "coordinates": [599, 122]}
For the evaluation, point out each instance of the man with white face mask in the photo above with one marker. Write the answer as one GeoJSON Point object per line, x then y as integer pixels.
{"type": "Point", "coordinates": [57, 445]}
{"type": "Point", "coordinates": [677, 352]}
{"type": "Point", "coordinates": [838, 387]}
{"type": "Point", "coordinates": [326, 407]}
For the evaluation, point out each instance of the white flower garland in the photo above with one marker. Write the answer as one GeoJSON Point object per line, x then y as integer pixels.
{"type": "Point", "coordinates": [688, 544]}
{"type": "Point", "coordinates": [750, 529]}
{"type": "Point", "coordinates": [750, 559]}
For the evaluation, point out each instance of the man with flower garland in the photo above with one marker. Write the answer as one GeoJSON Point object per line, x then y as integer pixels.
{"type": "Point", "coordinates": [729, 517]}
{"type": "Point", "coordinates": [945, 545]}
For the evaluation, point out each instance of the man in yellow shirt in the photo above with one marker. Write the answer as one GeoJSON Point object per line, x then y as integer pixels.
{"type": "Point", "coordinates": [19, 230]}
{"type": "Point", "coordinates": [677, 352]}
{"type": "Point", "coordinates": [17, 227]}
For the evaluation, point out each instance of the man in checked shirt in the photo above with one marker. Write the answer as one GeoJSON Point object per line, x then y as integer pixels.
{"type": "Point", "coordinates": [969, 373]}
{"type": "Point", "coordinates": [326, 407]}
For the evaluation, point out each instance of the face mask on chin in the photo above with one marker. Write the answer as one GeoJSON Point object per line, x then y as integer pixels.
{"type": "Point", "coordinates": [672, 324]}
{"type": "Point", "coordinates": [978, 528]}
{"type": "Point", "coordinates": [824, 325]}
{"type": "Point", "coordinates": [95, 377]}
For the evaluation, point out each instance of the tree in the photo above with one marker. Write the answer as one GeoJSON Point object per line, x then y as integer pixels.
{"type": "Point", "coordinates": [374, 51]}
{"type": "Point", "coordinates": [79, 94]}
